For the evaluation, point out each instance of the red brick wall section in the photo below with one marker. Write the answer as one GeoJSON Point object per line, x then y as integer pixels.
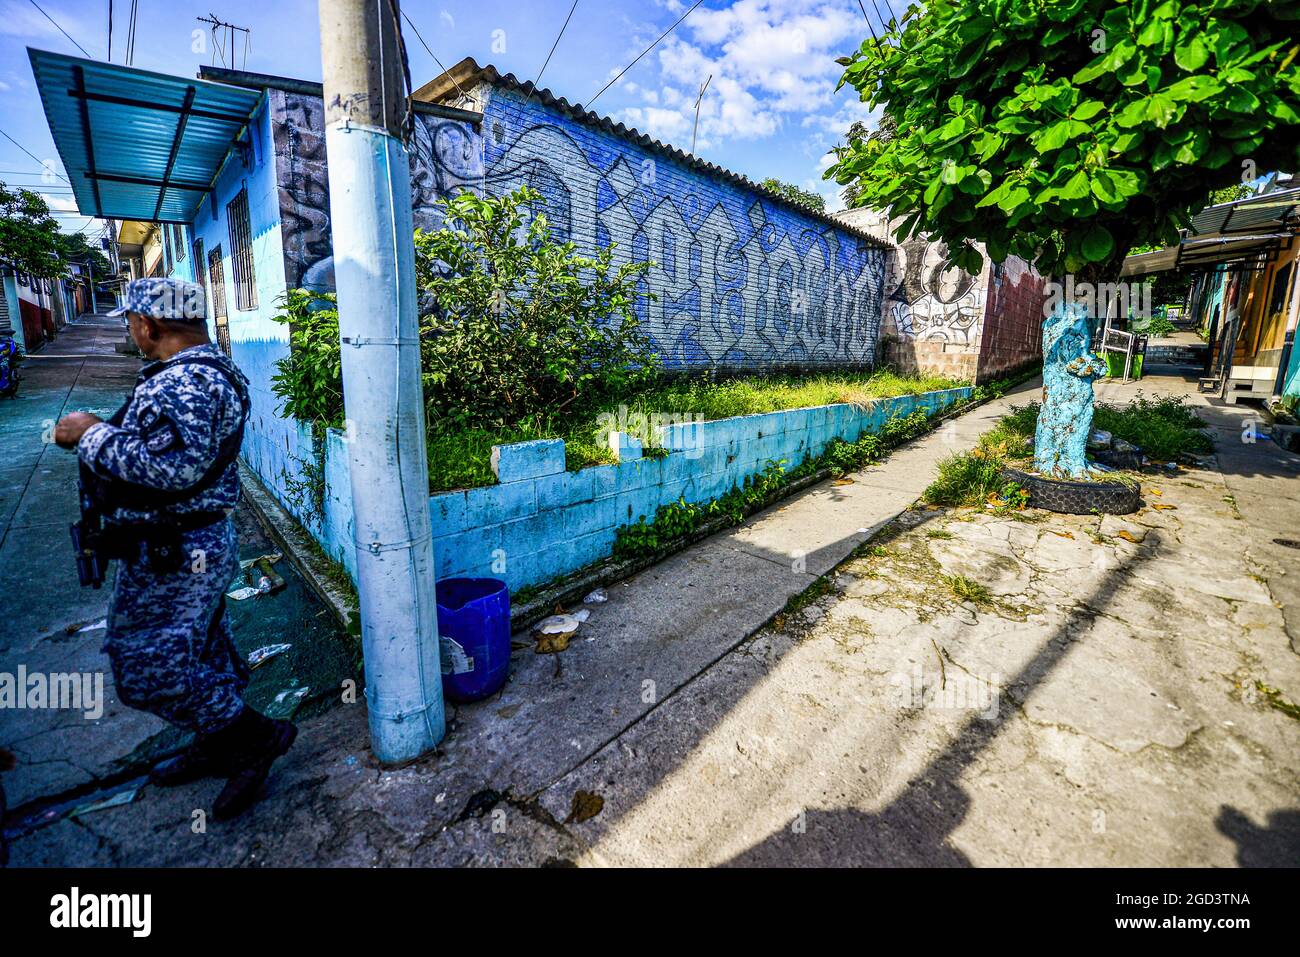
{"type": "Point", "coordinates": [1012, 337]}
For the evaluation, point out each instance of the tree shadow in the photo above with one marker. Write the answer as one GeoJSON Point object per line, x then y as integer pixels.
{"type": "Point", "coordinates": [1275, 844]}
{"type": "Point", "coordinates": [914, 828]}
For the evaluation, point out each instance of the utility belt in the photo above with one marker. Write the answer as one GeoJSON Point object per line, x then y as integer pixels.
{"type": "Point", "coordinates": [160, 542]}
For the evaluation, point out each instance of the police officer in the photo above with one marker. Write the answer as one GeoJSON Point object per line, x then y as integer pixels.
{"type": "Point", "coordinates": [164, 470]}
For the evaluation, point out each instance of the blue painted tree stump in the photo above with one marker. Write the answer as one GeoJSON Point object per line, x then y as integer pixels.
{"type": "Point", "coordinates": [1069, 369]}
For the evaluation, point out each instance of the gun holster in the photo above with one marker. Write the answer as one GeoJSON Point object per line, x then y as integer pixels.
{"type": "Point", "coordinates": [87, 545]}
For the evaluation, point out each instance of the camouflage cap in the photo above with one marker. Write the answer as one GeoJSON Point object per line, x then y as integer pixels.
{"type": "Point", "coordinates": [175, 300]}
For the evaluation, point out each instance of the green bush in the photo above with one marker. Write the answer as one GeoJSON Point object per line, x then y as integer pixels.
{"type": "Point", "coordinates": [309, 380]}
{"type": "Point", "coordinates": [1164, 428]}
{"type": "Point", "coordinates": [523, 326]}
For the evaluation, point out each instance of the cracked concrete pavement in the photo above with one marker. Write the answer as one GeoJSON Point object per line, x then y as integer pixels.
{"type": "Point", "coordinates": [1104, 699]}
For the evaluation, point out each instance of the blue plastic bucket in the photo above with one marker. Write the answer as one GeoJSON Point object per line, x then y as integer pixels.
{"type": "Point", "coordinates": [474, 625]}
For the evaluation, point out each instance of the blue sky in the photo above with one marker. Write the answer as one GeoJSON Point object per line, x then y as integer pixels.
{"type": "Point", "coordinates": [770, 109]}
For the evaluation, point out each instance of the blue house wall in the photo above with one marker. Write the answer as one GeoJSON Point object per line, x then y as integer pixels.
{"type": "Point", "coordinates": [276, 448]}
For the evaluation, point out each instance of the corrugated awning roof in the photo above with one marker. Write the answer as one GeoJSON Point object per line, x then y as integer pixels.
{"type": "Point", "coordinates": [136, 144]}
{"type": "Point", "coordinates": [1241, 233]}
{"type": "Point", "coordinates": [1266, 213]}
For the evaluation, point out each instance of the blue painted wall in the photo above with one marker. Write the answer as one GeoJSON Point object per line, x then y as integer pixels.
{"type": "Point", "coordinates": [549, 523]}
{"type": "Point", "coordinates": [277, 449]}
{"type": "Point", "coordinates": [742, 280]}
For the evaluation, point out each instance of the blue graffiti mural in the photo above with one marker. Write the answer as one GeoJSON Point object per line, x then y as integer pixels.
{"type": "Point", "coordinates": [740, 279]}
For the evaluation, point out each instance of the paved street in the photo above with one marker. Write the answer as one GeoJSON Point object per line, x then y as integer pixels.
{"type": "Point", "coordinates": [1117, 697]}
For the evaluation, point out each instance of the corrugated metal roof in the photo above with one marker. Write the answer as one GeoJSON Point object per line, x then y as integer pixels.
{"type": "Point", "coordinates": [1263, 213]}
{"type": "Point", "coordinates": [137, 144]}
{"type": "Point", "coordinates": [468, 71]}
{"type": "Point", "coordinates": [1243, 232]}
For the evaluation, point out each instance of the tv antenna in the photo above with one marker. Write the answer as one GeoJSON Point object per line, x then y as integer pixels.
{"type": "Point", "coordinates": [221, 29]}
{"type": "Point", "coordinates": [696, 128]}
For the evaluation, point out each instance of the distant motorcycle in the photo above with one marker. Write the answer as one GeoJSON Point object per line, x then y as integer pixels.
{"type": "Point", "coordinates": [10, 358]}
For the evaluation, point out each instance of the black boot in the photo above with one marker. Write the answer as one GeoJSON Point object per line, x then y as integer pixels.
{"type": "Point", "coordinates": [255, 742]}
{"type": "Point", "coordinates": [203, 759]}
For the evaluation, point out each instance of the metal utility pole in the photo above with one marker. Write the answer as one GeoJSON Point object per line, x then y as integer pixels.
{"type": "Point", "coordinates": [698, 100]}
{"type": "Point", "coordinates": [374, 269]}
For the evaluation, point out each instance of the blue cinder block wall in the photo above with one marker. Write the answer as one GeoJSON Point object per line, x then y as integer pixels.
{"type": "Point", "coordinates": [740, 280]}
{"type": "Point", "coordinates": [540, 522]}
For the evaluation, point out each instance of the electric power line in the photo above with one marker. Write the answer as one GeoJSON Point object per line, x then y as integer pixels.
{"type": "Point", "coordinates": [883, 22]}
{"type": "Point", "coordinates": [59, 28]}
{"type": "Point", "coordinates": [130, 33]}
{"type": "Point", "coordinates": [32, 155]}
{"type": "Point", "coordinates": [431, 53]}
{"type": "Point", "coordinates": [643, 53]}
{"type": "Point", "coordinates": [538, 81]}
{"type": "Point", "coordinates": [870, 28]}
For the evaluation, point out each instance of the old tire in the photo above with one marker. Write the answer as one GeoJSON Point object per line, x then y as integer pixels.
{"type": "Point", "coordinates": [1077, 498]}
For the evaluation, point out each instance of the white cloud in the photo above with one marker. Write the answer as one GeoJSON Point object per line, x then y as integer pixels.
{"type": "Point", "coordinates": [21, 19]}
{"type": "Point", "coordinates": [771, 60]}
{"type": "Point", "coordinates": [60, 204]}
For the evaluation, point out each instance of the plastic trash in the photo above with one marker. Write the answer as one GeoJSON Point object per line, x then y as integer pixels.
{"type": "Point", "coordinates": [474, 627]}
{"type": "Point", "coordinates": [286, 702]}
{"type": "Point", "coordinates": [562, 624]}
{"type": "Point", "coordinates": [1100, 439]}
{"type": "Point", "coordinates": [597, 597]}
{"type": "Point", "coordinates": [261, 656]}
{"type": "Point", "coordinates": [261, 576]}
{"type": "Point", "coordinates": [117, 800]}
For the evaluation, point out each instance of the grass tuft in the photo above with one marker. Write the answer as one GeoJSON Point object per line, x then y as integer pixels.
{"type": "Point", "coordinates": [967, 589]}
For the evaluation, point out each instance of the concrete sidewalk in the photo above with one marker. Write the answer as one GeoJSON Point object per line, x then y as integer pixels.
{"type": "Point", "coordinates": [660, 631]}
{"type": "Point", "coordinates": [54, 626]}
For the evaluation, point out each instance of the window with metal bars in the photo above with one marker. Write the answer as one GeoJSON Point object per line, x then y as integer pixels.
{"type": "Point", "coordinates": [241, 251]}
{"type": "Point", "coordinates": [199, 263]}
{"type": "Point", "coordinates": [217, 276]}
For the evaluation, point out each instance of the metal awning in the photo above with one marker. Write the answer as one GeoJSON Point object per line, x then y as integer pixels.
{"type": "Point", "coordinates": [136, 144]}
{"type": "Point", "coordinates": [1244, 234]}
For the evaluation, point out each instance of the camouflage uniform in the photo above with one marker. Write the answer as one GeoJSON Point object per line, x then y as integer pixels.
{"type": "Point", "coordinates": [169, 636]}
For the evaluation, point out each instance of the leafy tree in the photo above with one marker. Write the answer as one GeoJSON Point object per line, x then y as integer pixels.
{"type": "Point", "coordinates": [522, 326]}
{"type": "Point", "coordinates": [29, 236]}
{"type": "Point", "coordinates": [75, 248]}
{"type": "Point", "coordinates": [796, 195]}
{"type": "Point", "coordinates": [1066, 131]}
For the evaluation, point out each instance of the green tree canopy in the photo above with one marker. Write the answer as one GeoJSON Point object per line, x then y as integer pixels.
{"type": "Point", "coordinates": [29, 235]}
{"type": "Point", "coordinates": [1067, 131]}
{"type": "Point", "coordinates": [30, 238]}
